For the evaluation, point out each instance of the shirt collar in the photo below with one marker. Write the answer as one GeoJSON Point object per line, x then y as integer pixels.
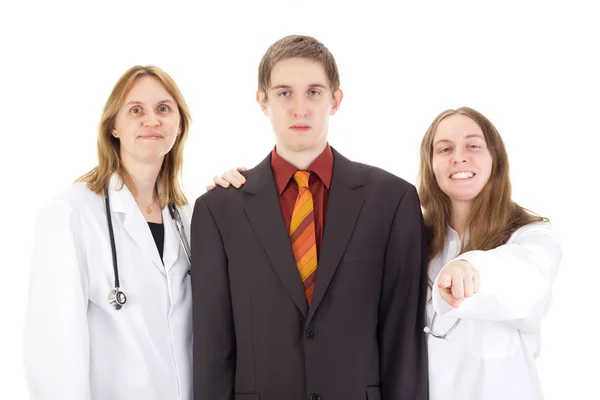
{"type": "Point", "coordinates": [283, 170]}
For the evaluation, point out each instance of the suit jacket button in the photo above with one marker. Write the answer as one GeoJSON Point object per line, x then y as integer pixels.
{"type": "Point", "coordinates": [314, 396]}
{"type": "Point", "coordinates": [311, 335]}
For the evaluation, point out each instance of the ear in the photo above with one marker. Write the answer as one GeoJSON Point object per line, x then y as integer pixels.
{"type": "Point", "coordinates": [261, 99]}
{"type": "Point", "coordinates": [338, 95]}
{"type": "Point", "coordinates": [114, 133]}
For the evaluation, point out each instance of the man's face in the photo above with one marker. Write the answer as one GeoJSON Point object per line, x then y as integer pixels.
{"type": "Point", "coordinates": [299, 102]}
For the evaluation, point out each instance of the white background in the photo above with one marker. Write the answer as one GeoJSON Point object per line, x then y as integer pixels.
{"type": "Point", "coordinates": [532, 68]}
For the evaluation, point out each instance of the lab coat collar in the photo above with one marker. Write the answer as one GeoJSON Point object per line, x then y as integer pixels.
{"type": "Point", "coordinates": [122, 201]}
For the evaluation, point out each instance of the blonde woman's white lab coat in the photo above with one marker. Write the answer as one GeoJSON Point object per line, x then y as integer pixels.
{"type": "Point", "coordinates": [491, 355]}
{"type": "Point", "coordinates": [77, 347]}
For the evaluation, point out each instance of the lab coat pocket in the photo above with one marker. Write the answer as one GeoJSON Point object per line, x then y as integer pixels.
{"type": "Point", "coordinates": [373, 393]}
{"type": "Point", "coordinates": [491, 340]}
{"type": "Point", "coordinates": [246, 396]}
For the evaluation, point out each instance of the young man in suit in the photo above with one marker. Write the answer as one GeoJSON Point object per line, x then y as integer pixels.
{"type": "Point", "coordinates": [310, 281]}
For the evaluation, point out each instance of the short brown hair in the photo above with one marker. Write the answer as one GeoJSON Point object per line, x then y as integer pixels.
{"type": "Point", "coordinates": [297, 46]}
{"type": "Point", "coordinates": [109, 160]}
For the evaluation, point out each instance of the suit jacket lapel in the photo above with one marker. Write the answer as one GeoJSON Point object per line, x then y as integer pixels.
{"type": "Point", "coordinates": [343, 208]}
{"type": "Point", "coordinates": [264, 213]}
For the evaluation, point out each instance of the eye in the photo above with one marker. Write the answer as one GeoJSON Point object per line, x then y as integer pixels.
{"type": "Point", "coordinates": [314, 92]}
{"type": "Point", "coordinates": [164, 108]}
{"type": "Point", "coordinates": [284, 94]}
{"type": "Point", "coordinates": [136, 110]}
{"type": "Point", "coordinates": [445, 150]}
{"type": "Point", "coordinates": [475, 146]}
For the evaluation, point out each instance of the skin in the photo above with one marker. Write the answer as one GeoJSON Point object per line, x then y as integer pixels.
{"type": "Point", "coordinates": [299, 103]}
{"type": "Point", "coordinates": [462, 165]}
{"type": "Point", "coordinates": [147, 126]}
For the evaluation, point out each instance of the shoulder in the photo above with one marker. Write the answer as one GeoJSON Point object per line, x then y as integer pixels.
{"type": "Point", "coordinates": [543, 229]}
{"type": "Point", "coordinates": [72, 198]}
{"type": "Point", "coordinates": [377, 175]}
{"type": "Point", "coordinates": [365, 173]}
{"type": "Point", "coordinates": [256, 179]}
{"type": "Point", "coordinates": [66, 207]}
{"type": "Point", "coordinates": [540, 238]}
{"type": "Point", "coordinates": [378, 181]}
{"type": "Point", "coordinates": [219, 199]}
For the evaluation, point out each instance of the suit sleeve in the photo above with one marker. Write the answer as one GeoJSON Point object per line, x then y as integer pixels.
{"type": "Point", "coordinates": [214, 337]}
{"type": "Point", "coordinates": [57, 344]}
{"type": "Point", "coordinates": [403, 346]}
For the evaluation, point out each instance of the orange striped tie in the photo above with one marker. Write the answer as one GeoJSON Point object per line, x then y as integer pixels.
{"type": "Point", "coordinates": [302, 234]}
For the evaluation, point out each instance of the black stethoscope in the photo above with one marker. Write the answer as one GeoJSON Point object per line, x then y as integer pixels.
{"type": "Point", "coordinates": [116, 297]}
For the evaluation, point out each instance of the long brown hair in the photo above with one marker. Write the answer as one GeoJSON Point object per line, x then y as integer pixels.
{"type": "Point", "coordinates": [109, 160]}
{"type": "Point", "coordinates": [494, 216]}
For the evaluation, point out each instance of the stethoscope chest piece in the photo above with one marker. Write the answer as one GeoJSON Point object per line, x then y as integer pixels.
{"type": "Point", "coordinates": [117, 298]}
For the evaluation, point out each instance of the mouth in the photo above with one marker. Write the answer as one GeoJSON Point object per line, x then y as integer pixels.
{"type": "Point", "coordinates": [463, 175]}
{"type": "Point", "coordinates": [300, 128]}
{"type": "Point", "coordinates": [151, 136]}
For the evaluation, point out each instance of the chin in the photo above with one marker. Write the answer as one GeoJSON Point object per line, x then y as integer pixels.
{"type": "Point", "coordinates": [152, 158]}
{"type": "Point", "coordinates": [299, 145]}
{"type": "Point", "coordinates": [463, 196]}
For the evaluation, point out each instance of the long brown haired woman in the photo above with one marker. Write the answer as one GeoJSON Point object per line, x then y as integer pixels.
{"type": "Point", "coordinates": [492, 265]}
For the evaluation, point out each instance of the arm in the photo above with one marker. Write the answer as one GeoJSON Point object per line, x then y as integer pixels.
{"type": "Point", "coordinates": [403, 348]}
{"type": "Point", "coordinates": [57, 347]}
{"type": "Point", "coordinates": [214, 336]}
{"type": "Point", "coordinates": [515, 279]}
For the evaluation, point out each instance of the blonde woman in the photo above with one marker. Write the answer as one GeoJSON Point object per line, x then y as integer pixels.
{"type": "Point", "coordinates": [109, 313]}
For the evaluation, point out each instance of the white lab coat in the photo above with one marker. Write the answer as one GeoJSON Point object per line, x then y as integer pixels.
{"type": "Point", "coordinates": [491, 355]}
{"type": "Point", "coordinates": [77, 347]}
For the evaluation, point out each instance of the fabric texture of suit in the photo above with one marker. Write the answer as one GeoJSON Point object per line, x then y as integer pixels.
{"type": "Point", "coordinates": [255, 338]}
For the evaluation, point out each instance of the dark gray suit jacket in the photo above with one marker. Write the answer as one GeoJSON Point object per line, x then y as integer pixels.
{"type": "Point", "coordinates": [255, 338]}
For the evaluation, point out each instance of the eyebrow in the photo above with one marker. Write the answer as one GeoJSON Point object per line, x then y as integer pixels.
{"type": "Point", "coordinates": [473, 135]}
{"type": "Point", "coordinates": [312, 85]}
{"type": "Point", "coordinates": [134, 102]}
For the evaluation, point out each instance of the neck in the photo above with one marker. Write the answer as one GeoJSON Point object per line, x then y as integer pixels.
{"type": "Point", "coordinates": [300, 159]}
{"type": "Point", "coordinates": [143, 178]}
{"type": "Point", "coordinates": [458, 216]}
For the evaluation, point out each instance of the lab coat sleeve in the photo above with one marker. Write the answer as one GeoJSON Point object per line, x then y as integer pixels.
{"type": "Point", "coordinates": [516, 280]}
{"type": "Point", "coordinates": [57, 348]}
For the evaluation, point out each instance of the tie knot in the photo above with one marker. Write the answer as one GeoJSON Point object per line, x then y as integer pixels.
{"type": "Point", "coordinates": [301, 178]}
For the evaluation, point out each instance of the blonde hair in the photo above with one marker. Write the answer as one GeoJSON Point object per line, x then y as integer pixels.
{"type": "Point", "coordinates": [297, 46]}
{"type": "Point", "coordinates": [494, 217]}
{"type": "Point", "coordinates": [109, 160]}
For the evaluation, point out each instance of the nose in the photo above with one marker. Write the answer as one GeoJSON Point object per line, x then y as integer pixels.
{"type": "Point", "coordinates": [299, 108]}
{"type": "Point", "coordinates": [151, 119]}
{"type": "Point", "coordinates": [459, 157]}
